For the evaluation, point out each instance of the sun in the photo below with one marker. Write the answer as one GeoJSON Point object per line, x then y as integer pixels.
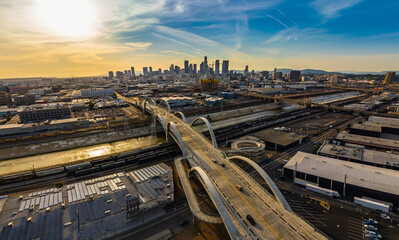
{"type": "Point", "coordinates": [67, 18]}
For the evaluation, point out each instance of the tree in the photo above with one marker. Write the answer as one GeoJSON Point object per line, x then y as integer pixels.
{"type": "Point", "coordinates": [91, 105]}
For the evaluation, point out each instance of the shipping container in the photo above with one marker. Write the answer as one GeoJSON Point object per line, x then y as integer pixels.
{"type": "Point", "coordinates": [372, 204]}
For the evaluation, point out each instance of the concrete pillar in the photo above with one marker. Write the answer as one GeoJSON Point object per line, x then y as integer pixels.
{"type": "Point", "coordinates": [344, 186]}
{"type": "Point", "coordinates": [331, 183]}
{"type": "Point", "coordinates": [318, 180]}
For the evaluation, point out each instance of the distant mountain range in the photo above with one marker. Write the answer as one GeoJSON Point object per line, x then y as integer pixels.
{"type": "Point", "coordinates": [315, 71]}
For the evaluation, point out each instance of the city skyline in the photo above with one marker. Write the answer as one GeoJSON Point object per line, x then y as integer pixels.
{"type": "Point", "coordinates": [47, 41]}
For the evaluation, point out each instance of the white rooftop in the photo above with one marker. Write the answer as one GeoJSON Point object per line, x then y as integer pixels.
{"type": "Point", "coordinates": [384, 121]}
{"type": "Point", "coordinates": [375, 178]}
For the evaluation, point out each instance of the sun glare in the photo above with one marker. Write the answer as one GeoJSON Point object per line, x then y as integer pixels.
{"type": "Point", "coordinates": [67, 18]}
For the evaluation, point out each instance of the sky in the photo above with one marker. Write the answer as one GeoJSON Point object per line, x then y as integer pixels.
{"type": "Point", "coordinates": [63, 38]}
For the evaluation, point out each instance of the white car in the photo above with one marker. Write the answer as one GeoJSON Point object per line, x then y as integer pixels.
{"type": "Point", "coordinates": [385, 216]}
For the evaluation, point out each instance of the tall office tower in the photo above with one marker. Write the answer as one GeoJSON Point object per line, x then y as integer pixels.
{"type": "Point", "coordinates": [125, 73]}
{"type": "Point", "coordinates": [172, 68]}
{"type": "Point", "coordinates": [177, 69]}
{"type": "Point", "coordinates": [110, 74]}
{"type": "Point", "coordinates": [195, 68]}
{"type": "Point", "coordinates": [119, 74]}
{"type": "Point", "coordinates": [159, 71]}
{"type": "Point", "coordinates": [133, 73]}
{"type": "Point", "coordinates": [206, 67]}
{"type": "Point", "coordinates": [294, 76]}
{"type": "Point", "coordinates": [225, 67]}
{"type": "Point", "coordinates": [246, 71]}
{"type": "Point", "coordinates": [145, 71]}
{"type": "Point", "coordinates": [150, 70]}
{"type": "Point", "coordinates": [202, 67]}
{"type": "Point", "coordinates": [190, 69]}
{"type": "Point", "coordinates": [186, 70]}
{"type": "Point", "coordinates": [129, 73]}
{"type": "Point", "coordinates": [389, 78]}
{"type": "Point", "coordinates": [217, 64]}
{"type": "Point", "coordinates": [275, 70]}
{"type": "Point", "coordinates": [265, 74]}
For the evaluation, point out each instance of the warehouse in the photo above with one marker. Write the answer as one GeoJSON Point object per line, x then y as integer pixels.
{"type": "Point", "coordinates": [348, 178]}
{"type": "Point", "coordinates": [280, 139]}
{"type": "Point", "coordinates": [388, 125]}
{"type": "Point", "coordinates": [379, 143]}
{"type": "Point", "coordinates": [360, 155]}
{"type": "Point", "coordinates": [365, 130]}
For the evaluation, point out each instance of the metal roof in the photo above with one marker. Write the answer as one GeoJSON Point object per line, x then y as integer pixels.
{"type": "Point", "coordinates": [375, 178]}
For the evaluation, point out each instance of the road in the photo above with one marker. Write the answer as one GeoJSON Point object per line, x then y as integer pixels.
{"type": "Point", "coordinates": [272, 220]}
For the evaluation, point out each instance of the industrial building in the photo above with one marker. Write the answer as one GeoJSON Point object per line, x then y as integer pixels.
{"type": "Point", "coordinates": [388, 125]}
{"type": "Point", "coordinates": [209, 84]}
{"type": "Point", "coordinates": [97, 92]}
{"type": "Point", "coordinates": [365, 130]}
{"type": "Point", "coordinates": [379, 143]}
{"type": "Point", "coordinates": [93, 209]}
{"type": "Point", "coordinates": [360, 155]}
{"type": "Point", "coordinates": [280, 139]}
{"type": "Point", "coordinates": [39, 114]}
{"type": "Point", "coordinates": [347, 178]}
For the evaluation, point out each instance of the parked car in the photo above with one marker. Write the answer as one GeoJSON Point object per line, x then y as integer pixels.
{"type": "Point", "coordinates": [385, 216]}
{"type": "Point", "coordinates": [251, 220]}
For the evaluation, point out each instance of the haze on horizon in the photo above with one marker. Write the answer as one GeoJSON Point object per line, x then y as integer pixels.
{"type": "Point", "coordinates": [89, 37]}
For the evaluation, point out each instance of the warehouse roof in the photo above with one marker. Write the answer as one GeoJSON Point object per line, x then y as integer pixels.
{"type": "Point", "coordinates": [384, 121]}
{"type": "Point", "coordinates": [359, 154]}
{"type": "Point", "coordinates": [375, 178]}
{"type": "Point", "coordinates": [368, 141]}
{"type": "Point", "coordinates": [366, 127]}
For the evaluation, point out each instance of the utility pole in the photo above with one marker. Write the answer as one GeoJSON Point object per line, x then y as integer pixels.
{"type": "Point", "coordinates": [344, 186]}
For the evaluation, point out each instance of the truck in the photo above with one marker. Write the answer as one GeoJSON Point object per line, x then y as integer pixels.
{"type": "Point", "coordinates": [239, 187]}
{"type": "Point", "coordinates": [372, 204]}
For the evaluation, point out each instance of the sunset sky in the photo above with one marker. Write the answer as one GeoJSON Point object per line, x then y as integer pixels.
{"type": "Point", "coordinates": [61, 38]}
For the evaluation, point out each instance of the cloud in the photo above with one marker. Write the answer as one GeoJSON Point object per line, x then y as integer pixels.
{"type": "Point", "coordinates": [139, 45]}
{"type": "Point", "coordinates": [331, 9]}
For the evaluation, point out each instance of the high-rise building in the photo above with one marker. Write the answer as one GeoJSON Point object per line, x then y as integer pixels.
{"type": "Point", "coordinates": [225, 67]}
{"type": "Point", "coordinates": [202, 67]}
{"type": "Point", "coordinates": [195, 68]}
{"type": "Point", "coordinates": [246, 71]}
{"type": "Point", "coordinates": [125, 73]}
{"type": "Point", "coordinates": [133, 73]}
{"type": "Point", "coordinates": [186, 69]}
{"type": "Point", "coordinates": [145, 71]}
{"type": "Point", "coordinates": [277, 75]}
{"type": "Point", "coordinates": [294, 75]}
{"type": "Point", "coordinates": [206, 67]}
{"type": "Point", "coordinates": [129, 73]}
{"type": "Point", "coordinates": [389, 78]}
{"type": "Point", "coordinates": [150, 70]}
{"type": "Point", "coordinates": [172, 68]}
{"type": "Point", "coordinates": [177, 69]}
{"type": "Point", "coordinates": [110, 74]}
{"type": "Point", "coordinates": [217, 64]}
{"type": "Point", "coordinates": [119, 74]}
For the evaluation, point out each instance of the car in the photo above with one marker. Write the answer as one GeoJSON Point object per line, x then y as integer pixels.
{"type": "Point", "coordinates": [371, 228]}
{"type": "Point", "coordinates": [370, 232]}
{"type": "Point", "coordinates": [251, 220]}
{"type": "Point", "coordinates": [215, 161]}
{"type": "Point", "coordinates": [223, 165]}
{"type": "Point", "coordinates": [385, 216]}
{"type": "Point", "coordinates": [365, 221]}
{"type": "Point", "coordinates": [239, 187]}
{"type": "Point", "coordinates": [373, 236]}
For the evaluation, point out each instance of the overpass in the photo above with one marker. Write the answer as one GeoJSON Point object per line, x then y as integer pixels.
{"type": "Point", "coordinates": [234, 193]}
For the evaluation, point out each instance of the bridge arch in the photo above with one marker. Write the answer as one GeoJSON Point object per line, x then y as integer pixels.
{"type": "Point", "coordinates": [215, 144]}
{"type": "Point", "coordinates": [191, 197]}
{"type": "Point", "coordinates": [176, 136]}
{"type": "Point", "coordinates": [153, 102]}
{"type": "Point", "coordinates": [167, 104]}
{"type": "Point", "coordinates": [181, 115]}
{"type": "Point", "coordinates": [146, 103]}
{"type": "Point", "coordinates": [279, 196]}
{"type": "Point", "coordinates": [159, 118]}
{"type": "Point", "coordinates": [217, 201]}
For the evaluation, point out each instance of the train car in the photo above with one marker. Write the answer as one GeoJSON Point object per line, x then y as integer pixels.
{"type": "Point", "coordinates": [49, 171]}
{"type": "Point", "coordinates": [17, 177]}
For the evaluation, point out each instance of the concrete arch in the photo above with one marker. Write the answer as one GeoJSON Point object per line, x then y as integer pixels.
{"type": "Point", "coordinates": [167, 104]}
{"type": "Point", "coordinates": [213, 193]}
{"type": "Point", "coordinates": [176, 136]}
{"type": "Point", "coordinates": [279, 196]}
{"type": "Point", "coordinates": [215, 144]}
{"type": "Point", "coordinates": [153, 102]}
{"type": "Point", "coordinates": [181, 115]}
{"type": "Point", "coordinates": [190, 195]}
{"type": "Point", "coordinates": [159, 118]}
{"type": "Point", "coordinates": [146, 103]}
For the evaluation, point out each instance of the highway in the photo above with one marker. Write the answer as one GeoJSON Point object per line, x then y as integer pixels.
{"type": "Point", "coordinates": [272, 220]}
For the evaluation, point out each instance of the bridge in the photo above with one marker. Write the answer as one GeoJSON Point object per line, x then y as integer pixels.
{"type": "Point", "coordinates": [234, 193]}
